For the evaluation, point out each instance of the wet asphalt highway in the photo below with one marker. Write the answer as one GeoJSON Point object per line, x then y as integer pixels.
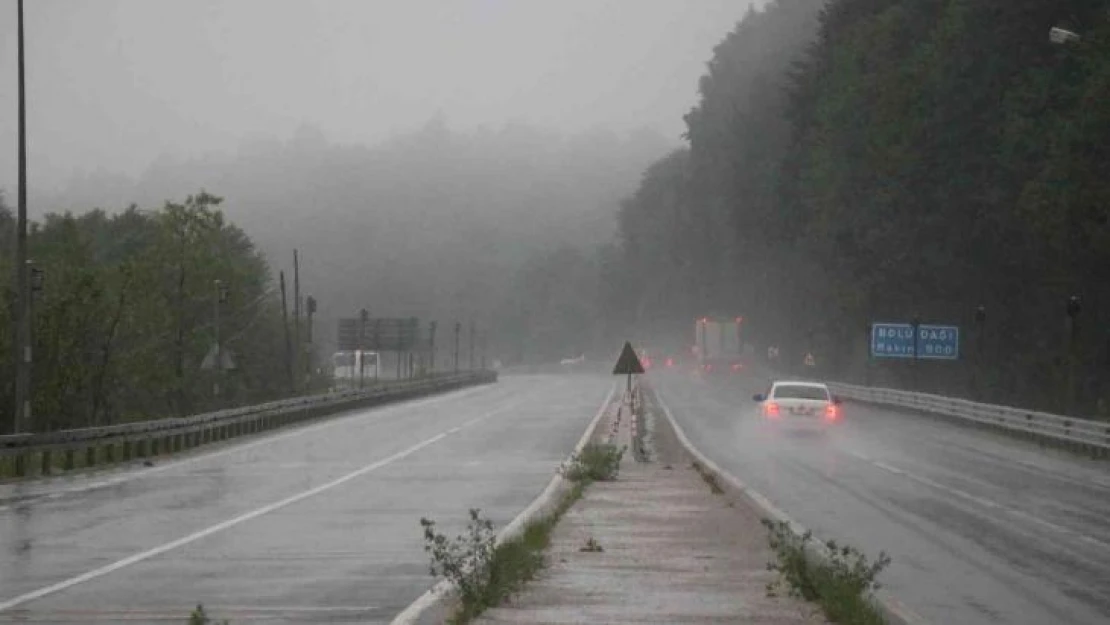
{"type": "Point", "coordinates": [982, 529]}
{"type": "Point", "coordinates": [309, 525]}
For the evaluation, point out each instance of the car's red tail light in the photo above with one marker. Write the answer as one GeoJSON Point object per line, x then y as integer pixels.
{"type": "Point", "coordinates": [771, 409]}
{"type": "Point", "coordinates": [737, 367]}
{"type": "Point", "coordinates": [670, 362]}
{"type": "Point", "coordinates": [831, 413]}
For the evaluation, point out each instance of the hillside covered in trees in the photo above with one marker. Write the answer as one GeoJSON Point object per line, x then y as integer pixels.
{"type": "Point", "coordinates": [125, 316]}
{"type": "Point", "coordinates": [880, 160]}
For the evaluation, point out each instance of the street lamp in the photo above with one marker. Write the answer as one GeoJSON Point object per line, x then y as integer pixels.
{"type": "Point", "coordinates": [21, 346]}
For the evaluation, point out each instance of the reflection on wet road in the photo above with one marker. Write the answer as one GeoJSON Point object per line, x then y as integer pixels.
{"type": "Point", "coordinates": [316, 524]}
{"type": "Point", "coordinates": [982, 528]}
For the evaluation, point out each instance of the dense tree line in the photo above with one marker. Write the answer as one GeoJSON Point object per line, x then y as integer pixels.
{"type": "Point", "coordinates": [126, 315]}
{"type": "Point", "coordinates": [863, 160]}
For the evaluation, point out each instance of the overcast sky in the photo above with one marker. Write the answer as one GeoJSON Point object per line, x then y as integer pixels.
{"type": "Point", "coordinates": [114, 84]}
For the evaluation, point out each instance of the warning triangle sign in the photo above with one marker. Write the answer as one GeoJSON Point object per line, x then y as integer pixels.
{"type": "Point", "coordinates": [628, 362]}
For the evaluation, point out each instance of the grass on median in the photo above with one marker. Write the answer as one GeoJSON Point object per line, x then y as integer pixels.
{"type": "Point", "coordinates": [484, 573]}
{"type": "Point", "coordinates": [595, 463]}
{"type": "Point", "coordinates": [841, 585]}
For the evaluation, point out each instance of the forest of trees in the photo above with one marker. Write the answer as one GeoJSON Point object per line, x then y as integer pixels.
{"type": "Point", "coordinates": [880, 160]}
{"type": "Point", "coordinates": [846, 162]}
{"type": "Point", "coordinates": [125, 316]}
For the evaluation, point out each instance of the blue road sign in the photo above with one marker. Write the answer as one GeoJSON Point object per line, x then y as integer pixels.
{"type": "Point", "coordinates": [938, 342]}
{"type": "Point", "coordinates": [897, 340]}
{"type": "Point", "coordinates": [892, 340]}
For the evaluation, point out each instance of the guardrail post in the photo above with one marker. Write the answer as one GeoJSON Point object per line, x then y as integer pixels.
{"type": "Point", "coordinates": [125, 453]}
{"type": "Point", "coordinates": [69, 463]}
{"type": "Point", "coordinates": [110, 453]}
{"type": "Point", "coordinates": [20, 465]}
{"type": "Point", "coordinates": [90, 456]}
{"type": "Point", "coordinates": [45, 468]}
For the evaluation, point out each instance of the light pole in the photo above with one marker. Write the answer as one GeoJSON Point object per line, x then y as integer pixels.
{"type": "Point", "coordinates": [471, 359]}
{"type": "Point", "coordinates": [1072, 309]}
{"type": "Point", "coordinates": [21, 346]}
{"type": "Point", "coordinates": [363, 317]}
{"type": "Point", "coordinates": [432, 347]}
{"type": "Point", "coordinates": [458, 329]}
{"type": "Point", "coordinates": [221, 298]}
{"type": "Point", "coordinates": [981, 343]}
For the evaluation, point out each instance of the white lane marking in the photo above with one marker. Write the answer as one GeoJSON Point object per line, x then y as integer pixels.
{"type": "Point", "coordinates": [988, 503]}
{"type": "Point", "coordinates": [366, 414]}
{"type": "Point", "coordinates": [219, 527]}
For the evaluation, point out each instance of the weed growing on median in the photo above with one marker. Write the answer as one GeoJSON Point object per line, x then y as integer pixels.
{"type": "Point", "coordinates": [199, 617]}
{"type": "Point", "coordinates": [484, 573]}
{"type": "Point", "coordinates": [592, 546]}
{"type": "Point", "coordinates": [708, 477]}
{"type": "Point", "coordinates": [595, 463]}
{"type": "Point", "coordinates": [841, 585]}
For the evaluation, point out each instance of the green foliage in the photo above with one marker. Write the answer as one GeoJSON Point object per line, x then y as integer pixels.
{"type": "Point", "coordinates": [200, 617]}
{"type": "Point", "coordinates": [595, 463]}
{"type": "Point", "coordinates": [885, 159]}
{"type": "Point", "coordinates": [484, 573]}
{"type": "Point", "coordinates": [126, 316]}
{"type": "Point", "coordinates": [841, 585]}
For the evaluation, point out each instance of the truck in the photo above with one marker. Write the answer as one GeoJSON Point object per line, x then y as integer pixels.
{"type": "Point", "coordinates": [718, 345]}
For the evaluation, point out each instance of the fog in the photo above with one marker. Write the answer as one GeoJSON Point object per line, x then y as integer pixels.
{"type": "Point", "coordinates": [115, 84]}
{"type": "Point", "coordinates": [425, 157]}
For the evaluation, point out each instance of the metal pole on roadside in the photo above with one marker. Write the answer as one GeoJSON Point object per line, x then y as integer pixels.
{"type": "Point", "coordinates": [432, 347]}
{"type": "Point", "coordinates": [1072, 309]}
{"type": "Point", "coordinates": [296, 319]}
{"type": "Point", "coordinates": [21, 346]}
{"type": "Point", "coordinates": [483, 344]}
{"type": "Point", "coordinates": [363, 317]}
{"type": "Point", "coordinates": [458, 330]}
{"type": "Point", "coordinates": [980, 347]}
{"type": "Point", "coordinates": [471, 341]}
{"type": "Point", "coordinates": [310, 310]}
{"type": "Point", "coordinates": [220, 295]}
{"type": "Point", "coordinates": [913, 361]}
{"type": "Point", "coordinates": [285, 327]}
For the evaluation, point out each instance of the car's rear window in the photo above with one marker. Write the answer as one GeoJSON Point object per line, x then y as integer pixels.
{"type": "Point", "coordinates": [798, 391]}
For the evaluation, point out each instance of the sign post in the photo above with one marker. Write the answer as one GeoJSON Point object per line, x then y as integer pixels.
{"type": "Point", "coordinates": [628, 363]}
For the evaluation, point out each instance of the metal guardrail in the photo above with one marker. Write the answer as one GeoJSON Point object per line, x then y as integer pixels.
{"type": "Point", "coordinates": [49, 452]}
{"type": "Point", "coordinates": [1068, 430]}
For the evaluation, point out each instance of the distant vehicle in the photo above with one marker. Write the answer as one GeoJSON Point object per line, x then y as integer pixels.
{"type": "Point", "coordinates": [718, 346]}
{"type": "Point", "coordinates": [799, 402]}
{"type": "Point", "coordinates": [570, 362]}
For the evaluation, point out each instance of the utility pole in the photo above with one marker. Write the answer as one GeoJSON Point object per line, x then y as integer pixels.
{"type": "Point", "coordinates": [221, 298]}
{"type": "Point", "coordinates": [471, 341]}
{"type": "Point", "coordinates": [458, 329]}
{"type": "Point", "coordinates": [21, 346]}
{"type": "Point", "coordinates": [483, 343]}
{"type": "Point", "coordinates": [432, 347]}
{"type": "Point", "coordinates": [285, 327]}
{"type": "Point", "coordinates": [296, 318]}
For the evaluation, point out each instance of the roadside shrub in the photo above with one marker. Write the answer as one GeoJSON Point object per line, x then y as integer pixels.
{"type": "Point", "coordinates": [841, 585]}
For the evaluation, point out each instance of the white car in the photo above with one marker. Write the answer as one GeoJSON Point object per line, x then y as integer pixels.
{"type": "Point", "coordinates": [799, 402]}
